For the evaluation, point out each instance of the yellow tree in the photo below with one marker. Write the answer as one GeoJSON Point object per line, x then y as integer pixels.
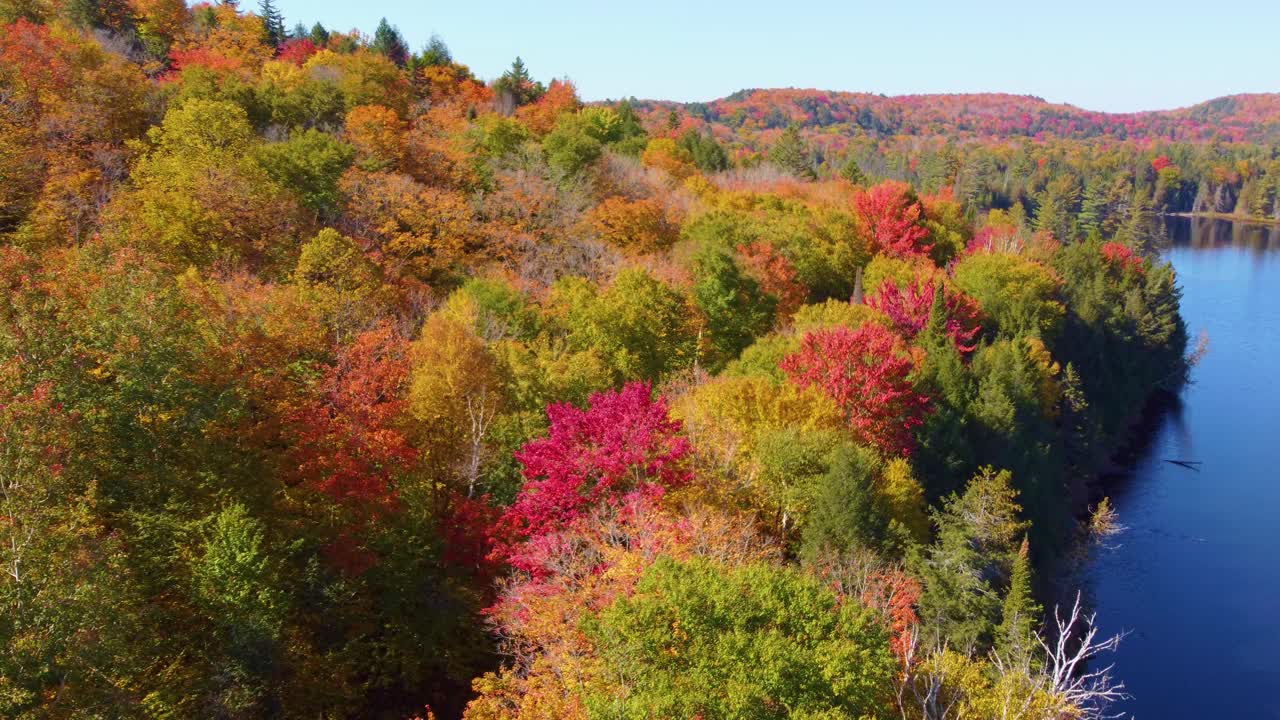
{"type": "Point", "coordinates": [639, 226]}
{"type": "Point", "coordinates": [455, 395]}
{"type": "Point", "coordinates": [339, 283]}
{"type": "Point", "coordinates": [200, 196]}
{"type": "Point", "coordinates": [377, 134]}
{"type": "Point", "coordinates": [423, 231]}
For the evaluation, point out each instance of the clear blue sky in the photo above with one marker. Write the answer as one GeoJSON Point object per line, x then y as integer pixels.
{"type": "Point", "coordinates": [1113, 55]}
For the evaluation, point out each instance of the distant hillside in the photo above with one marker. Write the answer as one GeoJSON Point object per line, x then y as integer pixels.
{"type": "Point", "coordinates": [990, 116]}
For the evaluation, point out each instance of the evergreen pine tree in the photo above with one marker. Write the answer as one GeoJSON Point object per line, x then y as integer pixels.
{"type": "Point", "coordinates": [975, 546]}
{"type": "Point", "coordinates": [1079, 437]}
{"type": "Point", "coordinates": [517, 87]}
{"type": "Point", "coordinates": [1136, 232]}
{"type": "Point", "coordinates": [387, 40]}
{"type": "Point", "coordinates": [945, 451]}
{"type": "Point", "coordinates": [1051, 216]}
{"type": "Point", "coordinates": [707, 154]}
{"type": "Point", "coordinates": [845, 514]}
{"type": "Point", "coordinates": [851, 172]}
{"type": "Point", "coordinates": [1093, 208]}
{"type": "Point", "coordinates": [272, 22]}
{"type": "Point", "coordinates": [435, 53]}
{"type": "Point", "coordinates": [318, 35]}
{"type": "Point", "coordinates": [1015, 636]}
{"type": "Point", "coordinates": [792, 154]}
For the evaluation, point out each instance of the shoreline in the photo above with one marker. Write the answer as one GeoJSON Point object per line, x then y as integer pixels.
{"type": "Point", "coordinates": [1229, 217]}
{"type": "Point", "coordinates": [1065, 575]}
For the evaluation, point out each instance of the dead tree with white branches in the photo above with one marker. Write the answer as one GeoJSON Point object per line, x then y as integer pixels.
{"type": "Point", "coordinates": [1067, 664]}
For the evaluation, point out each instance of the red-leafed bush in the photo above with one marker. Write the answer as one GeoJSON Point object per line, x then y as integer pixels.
{"type": "Point", "coordinates": [297, 51]}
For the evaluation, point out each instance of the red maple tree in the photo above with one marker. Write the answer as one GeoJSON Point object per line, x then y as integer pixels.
{"type": "Point", "coordinates": [866, 372]}
{"type": "Point", "coordinates": [909, 310]}
{"type": "Point", "coordinates": [895, 218]}
{"type": "Point", "coordinates": [623, 443]}
{"type": "Point", "coordinates": [348, 446]}
{"type": "Point", "coordinates": [894, 594]}
{"type": "Point", "coordinates": [1123, 257]}
{"type": "Point", "coordinates": [776, 275]}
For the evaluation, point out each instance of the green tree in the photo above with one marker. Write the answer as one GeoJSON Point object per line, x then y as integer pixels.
{"type": "Point", "coordinates": [707, 154]}
{"type": "Point", "coordinates": [1015, 636]}
{"type": "Point", "coordinates": [272, 22]}
{"type": "Point", "coordinates": [319, 35]}
{"type": "Point", "coordinates": [339, 283]}
{"type": "Point", "coordinates": [638, 324]}
{"type": "Point", "coordinates": [309, 163]}
{"type": "Point", "coordinates": [1056, 207]}
{"type": "Point", "coordinates": [1017, 295]}
{"type": "Point", "coordinates": [518, 86]}
{"type": "Point", "coordinates": [965, 569]}
{"type": "Point", "coordinates": [388, 41]}
{"type": "Point", "coordinates": [436, 53]}
{"type": "Point", "coordinates": [237, 584]}
{"type": "Point", "coordinates": [696, 640]}
{"type": "Point", "coordinates": [791, 153]}
{"type": "Point", "coordinates": [735, 309]}
{"type": "Point", "coordinates": [944, 450]}
{"type": "Point", "coordinates": [844, 513]}
{"type": "Point", "coordinates": [632, 136]}
{"type": "Point", "coordinates": [850, 171]}
{"type": "Point", "coordinates": [200, 195]}
{"type": "Point", "coordinates": [572, 145]}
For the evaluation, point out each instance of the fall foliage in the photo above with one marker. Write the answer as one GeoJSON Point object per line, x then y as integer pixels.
{"type": "Point", "coordinates": [384, 389]}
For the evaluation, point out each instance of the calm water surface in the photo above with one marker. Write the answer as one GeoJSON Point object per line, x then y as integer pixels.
{"type": "Point", "coordinates": [1196, 576]}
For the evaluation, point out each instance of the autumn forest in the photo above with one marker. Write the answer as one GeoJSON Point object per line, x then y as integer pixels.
{"type": "Point", "coordinates": [338, 382]}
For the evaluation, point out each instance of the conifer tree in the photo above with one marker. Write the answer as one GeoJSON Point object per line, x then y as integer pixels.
{"type": "Point", "coordinates": [1137, 228]}
{"type": "Point", "coordinates": [845, 514]}
{"type": "Point", "coordinates": [435, 53]}
{"type": "Point", "coordinates": [318, 35]}
{"type": "Point", "coordinates": [945, 450]}
{"type": "Point", "coordinates": [1015, 635]}
{"type": "Point", "coordinates": [517, 86]}
{"type": "Point", "coordinates": [851, 172]}
{"type": "Point", "coordinates": [975, 546]}
{"type": "Point", "coordinates": [388, 41]}
{"type": "Point", "coordinates": [1078, 436]}
{"type": "Point", "coordinates": [1093, 208]}
{"type": "Point", "coordinates": [791, 153]}
{"type": "Point", "coordinates": [273, 22]}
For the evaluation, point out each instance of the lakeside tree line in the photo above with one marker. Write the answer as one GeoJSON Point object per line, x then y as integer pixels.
{"type": "Point", "coordinates": [336, 382]}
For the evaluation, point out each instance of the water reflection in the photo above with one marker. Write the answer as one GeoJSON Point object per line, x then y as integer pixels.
{"type": "Point", "coordinates": [1195, 576]}
{"type": "Point", "coordinates": [1202, 233]}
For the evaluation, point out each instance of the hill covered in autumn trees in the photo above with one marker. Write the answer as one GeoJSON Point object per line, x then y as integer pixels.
{"type": "Point", "coordinates": [338, 382]}
{"type": "Point", "coordinates": [984, 116]}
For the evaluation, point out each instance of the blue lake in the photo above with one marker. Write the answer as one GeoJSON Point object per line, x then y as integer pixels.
{"type": "Point", "coordinates": [1195, 577]}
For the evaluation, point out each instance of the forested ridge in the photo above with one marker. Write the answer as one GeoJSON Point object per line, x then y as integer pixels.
{"type": "Point", "coordinates": [1003, 151]}
{"type": "Point", "coordinates": [337, 382]}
